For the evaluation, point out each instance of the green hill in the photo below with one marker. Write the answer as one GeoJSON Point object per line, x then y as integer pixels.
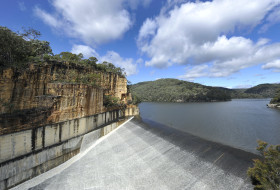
{"type": "Point", "coordinates": [174, 90]}
{"type": "Point", "coordinates": [265, 90]}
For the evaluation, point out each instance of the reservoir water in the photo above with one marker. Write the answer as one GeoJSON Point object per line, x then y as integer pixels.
{"type": "Point", "coordinates": [238, 123]}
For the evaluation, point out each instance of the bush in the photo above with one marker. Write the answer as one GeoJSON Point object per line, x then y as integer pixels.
{"type": "Point", "coordinates": [136, 100]}
{"type": "Point", "coordinates": [111, 101]}
{"type": "Point", "coordinates": [266, 172]}
{"type": "Point", "coordinates": [276, 98]}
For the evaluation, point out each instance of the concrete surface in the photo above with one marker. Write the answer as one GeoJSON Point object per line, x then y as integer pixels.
{"type": "Point", "coordinates": [141, 156]}
{"type": "Point", "coordinates": [28, 153]}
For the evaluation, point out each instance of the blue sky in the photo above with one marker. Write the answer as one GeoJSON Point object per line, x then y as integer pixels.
{"type": "Point", "coordinates": [229, 43]}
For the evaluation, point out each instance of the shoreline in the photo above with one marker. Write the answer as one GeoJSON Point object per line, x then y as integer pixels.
{"type": "Point", "coordinates": [273, 106]}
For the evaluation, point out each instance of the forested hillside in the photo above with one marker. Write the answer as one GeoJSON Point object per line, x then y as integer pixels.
{"type": "Point", "coordinates": [265, 90]}
{"type": "Point", "coordinates": [259, 91]}
{"type": "Point", "coordinates": [173, 90]}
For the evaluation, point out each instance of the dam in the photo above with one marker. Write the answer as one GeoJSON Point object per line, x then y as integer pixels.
{"type": "Point", "coordinates": [147, 155]}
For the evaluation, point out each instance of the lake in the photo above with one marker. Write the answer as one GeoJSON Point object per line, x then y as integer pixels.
{"type": "Point", "coordinates": [238, 123]}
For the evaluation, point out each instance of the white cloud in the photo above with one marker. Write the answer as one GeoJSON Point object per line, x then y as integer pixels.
{"type": "Point", "coordinates": [111, 56]}
{"type": "Point", "coordinates": [272, 18]}
{"type": "Point", "coordinates": [148, 29]}
{"type": "Point", "coordinates": [94, 22]}
{"type": "Point", "coordinates": [85, 50]}
{"type": "Point", "coordinates": [48, 18]}
{"type": "Point", "coordinates": [195, 72]}
{"type": "Point", "coordinates": [196, 34]}
{"type": "Point", "coordinates": [116, 59]}
{"type": "Point", "coordinates": [224, 67]}
{"type": "Point", "coordinates": [273, 65]}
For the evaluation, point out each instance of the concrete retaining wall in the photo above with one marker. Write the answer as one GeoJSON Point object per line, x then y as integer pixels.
{"type": "Point", "coordinates": [26, 154]}
{"type": "Point", "coordinates": [132, 110]}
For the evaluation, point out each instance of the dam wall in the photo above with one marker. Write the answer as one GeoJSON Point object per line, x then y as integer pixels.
{"type": "Point", "coordinates": [131, 110]}
{"type": "Point", "coordinates": [28, 153]}
{"type": "Point", "coordinates": [143, 154]}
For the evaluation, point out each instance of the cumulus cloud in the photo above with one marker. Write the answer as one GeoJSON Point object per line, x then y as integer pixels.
{"type": "Point", "coordinates": [87, 51]}
{"type": "Point", "coordinates": [197, 34]}
{"type": "Point", "coordinates": [116, 59]}
{"type": "Point", "coordinates": [223, 67]}
{"type": "Point", "coordinates": [94, 22]}
{"type": "Point", "coordinates": [273, 65]}
{"type": "Point", "coordinates": [128, 64]}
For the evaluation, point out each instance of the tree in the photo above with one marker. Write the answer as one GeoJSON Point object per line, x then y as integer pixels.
{"type": "Point", "coordinates": [71, 57]}
{"type": "Point", "coordinates": [92, 61]}
{"type": "Point", "coordinates": [136, 100]}
{"type": "Point", "coordinates": [266, 172]}
{"type": "Point", "coordinates": [39, 48]}
{"type": "Point", "coordinates": [13, 48]}
{"type": "Point", "coordinates": [17, 49]}
{"type": "Point", "coordinates": [276, 98]}
{"type": "Point", "coordinates": [30, 34]}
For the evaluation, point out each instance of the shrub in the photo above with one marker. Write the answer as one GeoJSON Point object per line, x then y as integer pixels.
{"type": "Point", "coordinates": [136, 100]}
{"type": "Point", "coordinates": [265, 174]}
{"type": "Point", "coordinates": [111, 101]}
{"type": "Point", "coordinates": [276, 98]}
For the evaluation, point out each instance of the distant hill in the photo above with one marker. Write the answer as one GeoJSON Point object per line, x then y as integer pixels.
{"type": "Point", "coordinates": [265, 90]}
{"type": "Point", "coordinates": [174, 90]}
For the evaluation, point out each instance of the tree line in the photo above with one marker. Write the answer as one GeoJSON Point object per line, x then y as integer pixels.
{"type": "Point", "coordinates": [18, 49]}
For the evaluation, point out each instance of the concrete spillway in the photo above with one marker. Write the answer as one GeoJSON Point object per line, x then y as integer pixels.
{"type": "Point", "coordinates": [141, 156]}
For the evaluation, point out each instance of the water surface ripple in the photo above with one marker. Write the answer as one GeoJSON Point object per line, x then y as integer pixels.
{"type": "Point", "coordinates": [238, 123]}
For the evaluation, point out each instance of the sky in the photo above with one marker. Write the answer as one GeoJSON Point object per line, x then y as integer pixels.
{"type": "Point", "coordinates": [228, 43]}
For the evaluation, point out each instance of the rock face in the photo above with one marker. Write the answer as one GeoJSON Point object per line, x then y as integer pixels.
{"type": "Point", "coordinates": [45, 112]}
{"type": "Point", "coordinates": [53, 92]}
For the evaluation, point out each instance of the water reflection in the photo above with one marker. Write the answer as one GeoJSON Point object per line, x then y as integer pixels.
{"type": "Point", "coordinates": [238, 123]}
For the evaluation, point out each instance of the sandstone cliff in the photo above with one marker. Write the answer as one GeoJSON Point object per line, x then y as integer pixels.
{"type": "Point", "coordinates": [53, 92]}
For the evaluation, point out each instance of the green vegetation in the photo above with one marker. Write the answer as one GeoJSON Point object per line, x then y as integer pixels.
{"type": "Point", "coordinates": [264, 90]}
{"type": "Point", "coordinates": [276, 99]}
{"type": "Point", "coordinates": [135, 100]}
{"type": "Point", "coordinates": [111, 101]}
{"type": "Point", "coordinates": [259, 91]}
{"type": "Point", "coordinates": [17, 50]}
{"type": "Point", "coordinates": [266, 172]}
{"type": "Point", "coordinates": [173, 90]}
{"type": "Point", "coordinates": [74, 77]}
